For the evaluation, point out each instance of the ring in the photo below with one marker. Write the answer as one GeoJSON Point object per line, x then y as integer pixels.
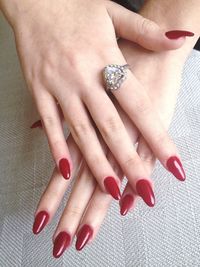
{"type": "Point", "coordinates": [114, 75]}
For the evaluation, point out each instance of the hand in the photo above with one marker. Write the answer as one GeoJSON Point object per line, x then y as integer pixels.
{"type": "Point", "coordinates": [87, 205]}
{"type": "Point", "coordinates": [63, 47]}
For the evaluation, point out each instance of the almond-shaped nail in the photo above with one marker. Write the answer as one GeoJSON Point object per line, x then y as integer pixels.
{"type": "Point", "coordinates": [175, 166]}
{"type": "Point", "coordinates": [61, 243]}
{"type": "Point", "coordinates": [112, 187]}
{"type": "Point", "coordinates": [41, 220]}
{"type": "Point", "coordinates": [177, 34]}
{"type": "Point", "coordinates": [37, 124]}
{"type": "Point", "coordinates": [145, 191]}
{"type": "Point", "coordinates": [64, 168]}
{"type": "Point", "coordinates": [125, 204]}
{"type": "Point", "coordinates": [83, 236]}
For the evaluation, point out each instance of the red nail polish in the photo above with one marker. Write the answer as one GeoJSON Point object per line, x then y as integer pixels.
{"type": "Point", "coordinates": [177, 34]}
{"type": "Point", "coordinates": [175, 166]}
{"type": "Point", "coordinates": [112, 187]}
{"type": "Point", "coordinates": [83, 236]}
{"type": "Point", "coordinates": [145, 191]}
{"type": "Point", "coordinates": [64, 168]}
{"type": "Point", "coordinates": [41, 220]}
{"type": "Point", "coordinates": [37, 124]}
{"type": "Point", "coordinates": [125, 204]}
{"type": "Point", "coordinates": [61, 242]}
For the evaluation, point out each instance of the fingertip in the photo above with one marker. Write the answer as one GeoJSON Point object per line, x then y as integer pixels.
{"type": "Point", "coordinates": [173, 44]}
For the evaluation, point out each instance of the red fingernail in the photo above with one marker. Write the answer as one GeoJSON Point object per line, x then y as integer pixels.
{"type": "Point", "coordinates": [41, 220]}
{"type": "Point", "coordinates": [112, 187]}
{"type": "Point", "coordinates": [37, 124]}
{"type": "Point", "coordinates": [145, 191]}
{"type": "Point", "coordinates": [175, 166]}
{"type": "Point", "coordinates": [64, 168]}
{"type": "Point", "coordinates": [61, 242]}
{"type": "Point", "coordinates": [83, 236]}
{"type": "Point", "coordinates": [177, 34]}
{"type": "Point", "coordinates": [126, 203]}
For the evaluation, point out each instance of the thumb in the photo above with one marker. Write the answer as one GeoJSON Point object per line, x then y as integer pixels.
{"type": "Point", "coordinates": [133, 27]}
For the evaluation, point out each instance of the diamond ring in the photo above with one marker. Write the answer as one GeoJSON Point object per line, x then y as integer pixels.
{"type": "Point", "coordinates": [114, 75]}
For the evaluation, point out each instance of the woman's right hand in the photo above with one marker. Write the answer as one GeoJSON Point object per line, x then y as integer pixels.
{"type": "Point", "coordinates": [63, 47]}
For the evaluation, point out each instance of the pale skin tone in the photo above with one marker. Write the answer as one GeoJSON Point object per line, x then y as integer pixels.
{"type": "Point", "coordinates": [158, 92]}
{"type": "Point", "coordinates": [86, 194]}
{"type": "Point", "coordinates": [163, 93]}
{"type": "Point", "coordinates": [64, 64]}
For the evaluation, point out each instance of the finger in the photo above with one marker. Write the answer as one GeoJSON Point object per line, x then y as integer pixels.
{"type": "Point", "coordinates": [144, 115]}
{"type": "Point", "coordinates": [145, 32]}
{"type": "Point", "coordinates": [50, 117]}
{"type": "Point", "coordinates": [129, 198]}
{"type": "Point", "coordinates": [96, 211]}
{"type": "Point", "coordinates": [82, 191]}
{"type": "Point", "coordinates": [93, 217]}
{"type": "Point", "coordinates": [85, 136]}
{"type": "Point", "coordinates": [54, 192]}
{"type": "Point", "coordinates": [117, 138]}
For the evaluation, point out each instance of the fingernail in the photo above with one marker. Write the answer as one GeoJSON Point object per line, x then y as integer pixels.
{"type": "Point", "coordinates": [175, 166]}
{"type": "Point", "coordinates": [41, 220]}
{"type": "Point", "coordinates": [125, 204]}
{"type": "Point", "coordinates": [37, 124]}
{"type": "Point", "coordinates": [177, 34]}
{"type": "Point", "coordinates": [64, 168]}
{"type": "Point", "coordinates": [61, 242]}
{"type": "Point", "coordinates": [112, 187]}
{"type": "Point", "coordinates": [145, 191]}
{"type": "Point", "coordinates": [83, 236]}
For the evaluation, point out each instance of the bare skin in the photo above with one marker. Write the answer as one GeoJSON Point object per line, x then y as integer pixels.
{"type": "Point", "coordinates": [63, 62]}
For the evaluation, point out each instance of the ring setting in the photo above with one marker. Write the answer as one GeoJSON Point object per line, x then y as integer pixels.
{"type": "Point", "coordinates": [114, 75]}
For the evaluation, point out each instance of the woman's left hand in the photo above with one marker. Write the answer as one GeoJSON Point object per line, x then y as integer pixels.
{"type": "Point", "coordinates": [87, 205]}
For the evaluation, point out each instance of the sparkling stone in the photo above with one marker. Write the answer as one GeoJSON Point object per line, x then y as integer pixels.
{"type": "Point", "coordinates": [115, 74]}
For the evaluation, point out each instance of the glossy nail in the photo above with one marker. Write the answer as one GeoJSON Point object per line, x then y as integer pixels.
{"type": "Point", "coordinates": [112, 187]}
{"type": "Point", "coordinates": [175, 166]}
{"type": "Point", "coordinates": [83, 236]}
{"type": "Point", "coordinates": [61, 242]}
{"type": "Point", "coordinates": [37, 124]}
{"type": "Point", "coordinates": [64, 168]}
{"type": "Point", "coordinates": [145, 191]}
{"type": "Point", "coordinates": [125, 204]}
{"type": "Point", "coordinates": [177, 34]}
{"type": "Point", "coordinates": [41, 220]}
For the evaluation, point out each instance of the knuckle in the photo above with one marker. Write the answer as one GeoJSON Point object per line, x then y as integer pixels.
{"type": "Point", "coordinates": [130, 161]}
{"type": "Point", "coordinates": [100, 206]}
{"type": "Point", "coordinates": [74, 211]}
{"type": "Point", "coordinates": [48, 121]}
{"type": "Point", "coordinates": [110, 128]}
{"type": "Point", "coordinates": [80, 130]}
{"type": "Point", "coordinates": [147, 156]}
{"type": "Point", "coordinates": [144, 26]}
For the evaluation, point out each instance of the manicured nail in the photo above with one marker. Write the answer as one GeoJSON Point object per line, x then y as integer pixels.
{"type": "Point", "coordinates": [83, 236]}
{"type": "Point", "coordinates": [145, 191]}
{"type": "Point", "coordinates": [64, 168]}
{"type": "Point", "coordinates": [37, 124]}
{"type": "Point", "coordinates": [112, 187]}
{"type": "Point", "coordinates": [177, 34]}
{"type": "Point", "coordinates": [61, 242]}
{"type": "Point", "coordinates": [125, 204]}
{"type": "Point", "coordinates": [41, 220]}
{"type": "Point", "coordinates": [175, 166]}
